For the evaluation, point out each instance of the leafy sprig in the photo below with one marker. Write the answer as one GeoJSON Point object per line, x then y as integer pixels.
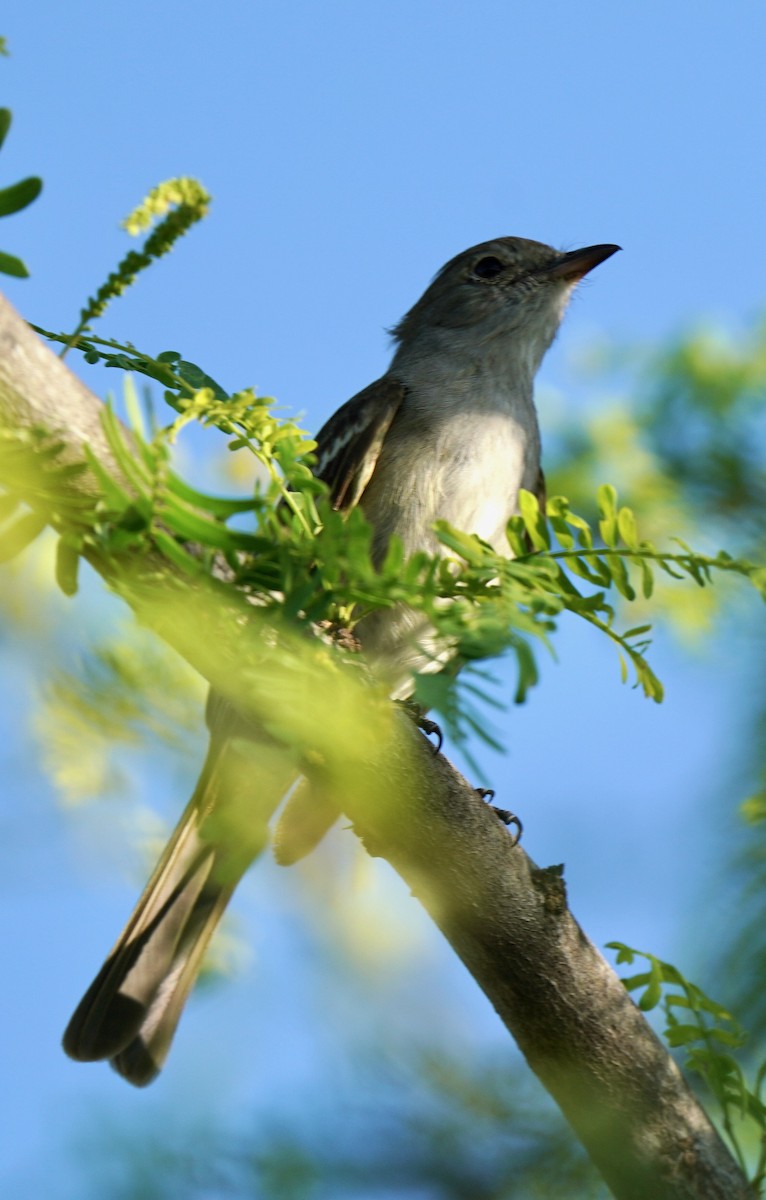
{"type": "Point", "coordinates": [709, 1036]}
{"type": "Point", "coordinates": [298, 557]}
{"type": "Point", "coordinates": [181, 203]}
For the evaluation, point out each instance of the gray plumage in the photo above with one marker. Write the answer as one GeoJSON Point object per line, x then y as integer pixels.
{"type": "Point", "coordinates": [450, 431]}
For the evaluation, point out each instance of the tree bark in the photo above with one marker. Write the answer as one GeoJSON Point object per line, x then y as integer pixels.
{"type": "Point", "coordinates": [506, 918]}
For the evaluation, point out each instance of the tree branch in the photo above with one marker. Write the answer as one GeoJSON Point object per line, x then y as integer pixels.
{"type": "Point", "coordinates": [506, 919]}
{"type": "Point", "coordinates": [574, 1022]}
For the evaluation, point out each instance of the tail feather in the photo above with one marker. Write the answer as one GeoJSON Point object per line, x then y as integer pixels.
{"type": "Point", "coordinates": [142, 1058]}
{"type": "Point", "coordinates": [130, 1012]}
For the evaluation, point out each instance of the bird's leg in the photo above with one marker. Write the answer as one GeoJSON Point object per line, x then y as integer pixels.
{"type": "Point", "coordinates": [429, 727]}
{"type": "Point", "coordinates": [503, 814]}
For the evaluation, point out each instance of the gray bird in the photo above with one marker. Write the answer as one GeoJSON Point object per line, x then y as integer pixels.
{"type": "Point", "coordinates": [450, 431]}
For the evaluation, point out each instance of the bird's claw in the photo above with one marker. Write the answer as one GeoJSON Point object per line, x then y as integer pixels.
{"type": "Point", "coordinates": [430, 728]}
{"type": "Point", "coordinates": [503, 814]}
{"type": "Point", "coordinates": [423, 722]}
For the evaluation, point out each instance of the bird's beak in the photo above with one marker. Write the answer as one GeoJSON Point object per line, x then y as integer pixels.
{"type": "Point", "coordinates": [576, 263]}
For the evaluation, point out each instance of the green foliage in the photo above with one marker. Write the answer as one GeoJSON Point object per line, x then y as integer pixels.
{"type": "Point", "coordinates": [16, 197]}
{"type": "Point", "coordinates": [32, 470]}
{"type": "Point", "coordinates": [754, 808]}
{"type": "Point", "coordinates": [301, 560]}
{"type": "Point", "coordinates": [681, 427]}
{"type": "Point", "coordinates": [705, 417]}
{"type": "Point", "coordinates": [708, 1035]}
{"type": "Point", "coordinates": [185, 202]}
{"type": "Point", "coordinates": [112, 703]}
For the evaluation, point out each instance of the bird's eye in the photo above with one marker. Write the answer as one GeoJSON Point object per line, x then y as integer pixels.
{"type": "Point", "coordinates": [489, 267]}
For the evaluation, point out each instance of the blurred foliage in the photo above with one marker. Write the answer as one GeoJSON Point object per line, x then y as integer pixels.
{"type": "Point", "coordinates": [110, 703]}
{"type": "Point", "coordinates": [303, 563]}
{"type": "Point", "coordinates": [430, 1125]}
{"type": "Point", "coordinates": [683, 427]}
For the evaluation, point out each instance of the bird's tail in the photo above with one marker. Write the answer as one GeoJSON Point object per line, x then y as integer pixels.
{"type": "Point", "coordinates": [130, 1012]}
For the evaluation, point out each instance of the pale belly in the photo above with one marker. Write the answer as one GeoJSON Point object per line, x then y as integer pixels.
{"type": "Point", "coordinates": [469, 474]}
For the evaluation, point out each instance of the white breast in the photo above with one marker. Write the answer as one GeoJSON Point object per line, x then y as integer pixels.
{"type": "Point", "coordinates": [483, 459]}
{"type": "Point", "coordinates": [461, 460]}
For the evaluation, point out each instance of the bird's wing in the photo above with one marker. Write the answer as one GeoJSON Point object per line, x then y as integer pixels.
{"type": "Point", "coordinates": [348, 448]}
{"type": "Point", "coordinates": [349, 445]}
{"type": "Point", "coordinates": [541, 491]}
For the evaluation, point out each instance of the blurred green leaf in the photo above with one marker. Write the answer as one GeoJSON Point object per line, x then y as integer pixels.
{"type": "Point", "coordinates": [10, 265]}
{"type": "Point", "coordinates": [19, 195]}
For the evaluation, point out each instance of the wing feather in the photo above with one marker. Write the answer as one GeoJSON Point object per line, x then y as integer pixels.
{"type": "Point", "coordinates": [349, 445]}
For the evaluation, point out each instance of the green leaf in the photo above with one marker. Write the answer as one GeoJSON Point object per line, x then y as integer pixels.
{"type": "Point", "coordinates": [516, 536]}
{"type": "Point", "coordinates": [683, 1035]}
{"type": "Point", "coordinates": [176, 554]}
{"type": "Point", "coordinates": [528, 675]}
{"type": "Point", "coordinates": [607, 503]}
{"type": "Point", "coordinates": [606, 498]}
{"type": "Point", "coordinates": [727, 1037]}
{"type": "Point", "coordinates": [67, 564]}
{"type": "Point", "coordinates": [647, 577]}
{"type": "Point", "coordinates": [558, 511]}
{"type": "Point", "coordinates": [10, 265]}
{"type": "Point", "coordinates": [20, 534]}
{"type": "Point", "coordinates": [219, 506]}
{"type": "Point", "coordinates": [534, 521]}
{"type": "Point", "coordinates": [194, 526]}
{"type": "Point", "coordinates": [393, 563]}
{"type": "Point", "coordinates": [632, 982]}
{"type": "Point", "coordinates": [653, 994]}
{"type": "Point", "coordinates": [620, 577]}
{"type": "Point", "coordinates": [624, 953]}
{"type": "Point", "coordinates": [197, 379]}
{"type": "Point", "coordinates": [127, 460]}
{"type": "Point", "coordinates": [115, 497]}
{"type": "Point", "coordinates": [664, 564]}
{"type": "Point", "coordinates": [590, 567]}
{"type": "Point", "coordinates": [19, 195]}
{"type": "Point", "coordinates": [467, 545]}
{"type": "Point", "coordinates": [5, 123]}
{"type": "Point", "coordinates": [626, 524]}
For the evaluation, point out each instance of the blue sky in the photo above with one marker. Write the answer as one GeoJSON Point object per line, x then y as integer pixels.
{"type": "Point", "coordinates": [351, 148]}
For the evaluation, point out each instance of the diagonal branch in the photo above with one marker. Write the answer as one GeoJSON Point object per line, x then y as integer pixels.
{"type": "Point", "coordinates": [506, 919]}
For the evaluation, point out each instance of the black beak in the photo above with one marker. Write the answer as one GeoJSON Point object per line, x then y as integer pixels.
{"type": "Point", "coordinates": [576, 263]}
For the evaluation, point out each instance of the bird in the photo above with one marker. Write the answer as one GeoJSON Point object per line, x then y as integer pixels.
{"type": "Point", "coordinates": [449, 432]}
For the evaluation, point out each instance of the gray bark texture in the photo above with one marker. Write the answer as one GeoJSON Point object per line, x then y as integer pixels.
{"type": "Point", "coordinates": [506, 918]}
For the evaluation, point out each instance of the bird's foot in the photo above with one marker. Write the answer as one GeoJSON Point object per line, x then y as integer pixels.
{"type": "Point", "coordinates": [503, 814]}
{"type": "Point", "coordinates": [429, 727]}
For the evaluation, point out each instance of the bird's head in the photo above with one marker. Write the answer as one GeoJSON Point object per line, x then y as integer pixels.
{"type": "Point", "coordinates": [506, 287]}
